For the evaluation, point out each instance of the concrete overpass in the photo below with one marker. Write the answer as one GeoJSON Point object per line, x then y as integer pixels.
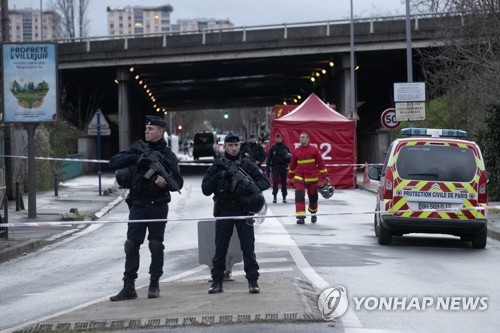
{"type": "Point", "coordinates": [245, 67]}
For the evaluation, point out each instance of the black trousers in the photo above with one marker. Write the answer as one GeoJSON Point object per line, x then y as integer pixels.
{"type": "Point", "coordinates": [279, 171]}
{"type": "Point", "coordinates": [223, 233]}
{"type": "Point", "coordinates": [137, 233]}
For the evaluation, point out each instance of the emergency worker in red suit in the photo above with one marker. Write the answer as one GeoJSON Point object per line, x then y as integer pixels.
{"type": "Point", "coordinates": [306, 166]}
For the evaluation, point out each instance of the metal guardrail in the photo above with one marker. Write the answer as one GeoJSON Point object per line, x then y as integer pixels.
{"type": "Point", "coordinates": [244, 29]}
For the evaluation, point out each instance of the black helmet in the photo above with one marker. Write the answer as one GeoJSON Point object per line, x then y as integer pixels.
{"type": "Point", "coordinates": [253, 202]}
{"type": "Point", "coordinates": [287, 156]}
{"type": "Point", "coordinates": [125, 175]}
{"type": "Point", "coordinates": [326, 191]}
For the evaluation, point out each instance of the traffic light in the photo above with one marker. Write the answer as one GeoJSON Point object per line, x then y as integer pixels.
{"type": "Point", "coordinates": [226, 115]}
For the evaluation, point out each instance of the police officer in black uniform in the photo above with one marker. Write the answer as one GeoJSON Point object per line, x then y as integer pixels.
{"type": "Point", "coordinates": [235, 200]}
{"type": "Point", "coordinates": [277, 162]}
{"type": "Point", "coordinates": [148, 199]}
{"type": "Point", "coordinates": [254, 151]}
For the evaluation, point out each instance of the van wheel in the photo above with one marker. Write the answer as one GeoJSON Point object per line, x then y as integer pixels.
{"type": "Point", "coordinates": [375, 224]}
{"type": "Point", "coordinates": [384, 235]}
{"type": "Point", "coordinates": [479, 240]}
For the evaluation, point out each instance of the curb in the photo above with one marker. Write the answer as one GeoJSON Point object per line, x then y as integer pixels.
{"type": "Point", "coordinates": [32, 245]}
{"type": "Point", "coordinates": [306, 295]}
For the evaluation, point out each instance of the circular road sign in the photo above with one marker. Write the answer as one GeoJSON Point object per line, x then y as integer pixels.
{"type": "Point", "coordinates": [388, 119]}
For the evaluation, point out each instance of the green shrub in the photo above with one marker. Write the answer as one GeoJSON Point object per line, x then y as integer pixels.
{"type": "Point", "coordinates": [489, 141]}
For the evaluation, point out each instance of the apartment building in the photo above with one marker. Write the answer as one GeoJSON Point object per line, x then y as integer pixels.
{"type": "Point", "coordinates": [138, 20]}
{"type": "Point", "coordinates": [142, 20]}
{"type": "Point", "coordinates": [200, 24]}
{"type": "Point", "coordinates": [27, 25]}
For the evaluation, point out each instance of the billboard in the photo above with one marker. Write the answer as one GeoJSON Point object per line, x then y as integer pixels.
{"type": "Point", "coordinates": [30, 83]}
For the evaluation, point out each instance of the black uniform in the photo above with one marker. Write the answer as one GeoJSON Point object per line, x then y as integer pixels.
{"type": "Point", "coordinates": [255, 151]}
{"type": "Point", "coordinates": [217, 182]}
{"type": "Point", "coordinates": [146, 201]}
{"type": "Point", "coordinates": [278, 163]}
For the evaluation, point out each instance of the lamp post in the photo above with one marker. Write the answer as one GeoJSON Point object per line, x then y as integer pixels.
{"type": "Point", "coordinates": [41, 19]}
{"type": "Point", "coordinates": [353, 113]}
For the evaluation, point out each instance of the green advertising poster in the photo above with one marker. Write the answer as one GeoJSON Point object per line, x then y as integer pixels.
{"type": "Point", "coordinates": [30, 83]}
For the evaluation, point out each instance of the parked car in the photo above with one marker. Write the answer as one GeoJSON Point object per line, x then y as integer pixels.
{"type": "Point", "coordinates": [205, 145]}
{"type": "Point", "coordinates": [220, 143]}
{"type": "Point", "coordinates": [432, 182]}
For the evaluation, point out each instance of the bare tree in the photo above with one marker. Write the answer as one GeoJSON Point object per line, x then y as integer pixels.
{"type": "Point", "coordinates": [465, 71]}
{"type": "Point", "coordinates": [431, 6]}
{"type": "Point", "coordinates": [73, 17]}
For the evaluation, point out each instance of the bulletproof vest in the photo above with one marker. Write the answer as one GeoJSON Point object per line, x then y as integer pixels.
{"type": "Point", "coordinates": [224, 194]}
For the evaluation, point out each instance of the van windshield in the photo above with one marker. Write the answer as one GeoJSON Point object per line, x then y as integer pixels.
{"type": "Point", "coordinates": [436, 163]}
{"type": "Point", "coordinates": [203, 139]}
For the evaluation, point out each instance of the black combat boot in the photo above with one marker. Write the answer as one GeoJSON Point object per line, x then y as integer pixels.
{"type": "Point", "coordinates": [314, 218]}
{"type": "Point", "coordinates": [301, 220]}
{"type": "Point", "coordinates": [216, 287]}
{"type": "Point", "coordinates": [274, 199]}
{"type": "Point", "coordinates": [128, 291]}
{"type": "Point", "coordinates": [253, 287]}
{"type": "Point", "coordinates": [284, 199]}
{"type": "Point", "coordinates": [154, 288]}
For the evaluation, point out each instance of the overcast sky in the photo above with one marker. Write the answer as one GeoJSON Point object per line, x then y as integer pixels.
{"type": "Point", "coordinates": [240, 12]}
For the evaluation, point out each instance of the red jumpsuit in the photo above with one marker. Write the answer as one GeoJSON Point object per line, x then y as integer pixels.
{"type": "Point", "coordinates": [305, 168]}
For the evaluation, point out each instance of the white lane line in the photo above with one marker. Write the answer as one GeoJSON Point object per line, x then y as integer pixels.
{"type": "Point", "coordinates": [273, 233]}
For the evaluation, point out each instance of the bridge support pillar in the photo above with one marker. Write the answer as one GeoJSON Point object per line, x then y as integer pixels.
{"type": "Point", "coordinates": [122, 75]}
{"type": "Point", "coordinates": [346, 85]}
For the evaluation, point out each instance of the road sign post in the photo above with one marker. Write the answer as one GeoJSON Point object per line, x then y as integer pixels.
{"type": "Point", "coordinates": [409, 98]}
{"type": "Point", "coordinates": [98, 126]}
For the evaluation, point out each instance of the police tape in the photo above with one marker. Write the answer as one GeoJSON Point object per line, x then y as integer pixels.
{"type": "Point", "coordinates": [59, 159]}
{"type": "Point", "coordinates": [182, 162]}
{"type": "Point", "coordinates": [236, 217]}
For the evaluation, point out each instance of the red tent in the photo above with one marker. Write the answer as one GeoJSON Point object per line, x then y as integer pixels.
{"type": "Point", "coordinates": [334, 134]}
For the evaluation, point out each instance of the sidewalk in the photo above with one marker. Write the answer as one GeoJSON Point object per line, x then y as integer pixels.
{"type": "Point", "coordinates": [81, 193]}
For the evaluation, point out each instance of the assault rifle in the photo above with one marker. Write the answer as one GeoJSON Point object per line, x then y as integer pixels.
{"type": "Point", "coordinates": [158, 167]}
{"type": "Point", "coordinates": [238, 175]}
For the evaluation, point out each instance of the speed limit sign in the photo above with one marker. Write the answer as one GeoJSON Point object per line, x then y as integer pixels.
{"type": "Point", "coordinates": [388, 119]}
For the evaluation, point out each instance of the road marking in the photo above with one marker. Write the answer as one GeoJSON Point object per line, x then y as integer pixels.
{"type": "Point", "coordinates": [274, 233]}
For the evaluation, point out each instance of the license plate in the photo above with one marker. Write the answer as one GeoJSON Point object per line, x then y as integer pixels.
{"type": "Point", "coordinates": [433, 205]}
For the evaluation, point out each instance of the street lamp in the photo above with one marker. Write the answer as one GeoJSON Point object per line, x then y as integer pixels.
{"type": "Point", "coordinates": [353, 114]}
{"type": "Point", "coordinates": [41, 24]}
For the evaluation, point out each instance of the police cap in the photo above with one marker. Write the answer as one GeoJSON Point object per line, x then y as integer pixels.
{"type": "Point", "coordinates": [231, 137]}
{"type": "Point", "coordinates": [157, 121]}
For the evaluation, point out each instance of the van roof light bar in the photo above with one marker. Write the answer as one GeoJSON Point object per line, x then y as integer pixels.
{"type": "Point", "coordinates": [434, 132]}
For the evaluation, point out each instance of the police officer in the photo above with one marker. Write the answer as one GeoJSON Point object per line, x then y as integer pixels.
{"type": "Point", "coordinates": [254, 151]}
{"type": "Point", "coordinates": [234, 200]}
{"type": "Point", "coordinates": [148, 199]}
{"type": "Point", "coordinates": [277, 162]}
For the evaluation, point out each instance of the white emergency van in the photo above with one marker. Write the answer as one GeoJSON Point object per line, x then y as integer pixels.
{"type": "Point", "coordinates": [433, 181]}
